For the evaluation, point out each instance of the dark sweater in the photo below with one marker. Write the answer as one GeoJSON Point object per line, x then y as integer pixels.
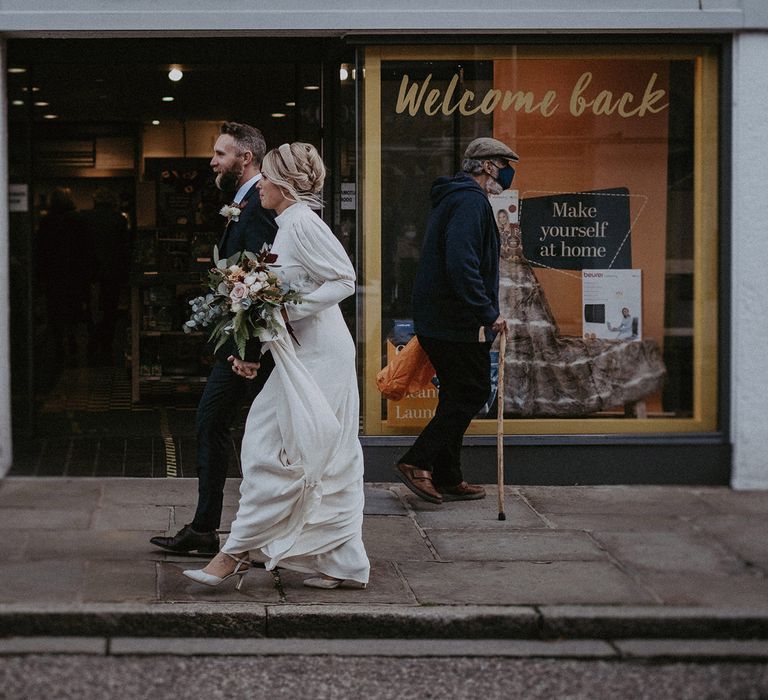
{"type": "Point", "coordinates": [457, 285]}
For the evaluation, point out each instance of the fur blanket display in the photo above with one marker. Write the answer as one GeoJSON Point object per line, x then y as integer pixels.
{"type": "Point", "coordinates": [551, 375]}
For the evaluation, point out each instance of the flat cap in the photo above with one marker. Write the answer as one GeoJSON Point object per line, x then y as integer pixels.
{"type": "Point", "coordinates": [485, 147]}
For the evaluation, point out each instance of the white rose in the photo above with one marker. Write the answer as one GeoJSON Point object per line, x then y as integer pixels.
{"type": "Point", "coordinates": [238, 293]}
{"type": "Point", "coordinates": [249, 279]}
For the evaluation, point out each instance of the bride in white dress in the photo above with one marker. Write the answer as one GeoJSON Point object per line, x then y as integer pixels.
{"type": "Point", "coordinates": [301, 498]}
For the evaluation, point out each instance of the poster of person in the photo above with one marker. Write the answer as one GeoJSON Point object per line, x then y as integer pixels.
{"type": "Point", "coordinates": [612, 303]}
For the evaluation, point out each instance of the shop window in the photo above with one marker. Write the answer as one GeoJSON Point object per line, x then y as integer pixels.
{"type": "Point", "coordinates": [608, 232]}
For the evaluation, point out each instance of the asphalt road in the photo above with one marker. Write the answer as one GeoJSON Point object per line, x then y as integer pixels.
{"type": "Point", "coordinates": [55, 677]}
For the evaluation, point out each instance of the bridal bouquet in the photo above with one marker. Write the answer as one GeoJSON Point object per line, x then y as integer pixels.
{"type": "Point", "coordinates": [244, 301]}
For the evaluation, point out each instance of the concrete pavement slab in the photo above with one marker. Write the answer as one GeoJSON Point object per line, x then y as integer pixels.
{"type": "Point", "coordinates": [622, 500]}
{"type": "Point", "coordinates": [388, 621]}
{"type": "Point", "coordinates": [744, 534]}
{"type": "Point", "coordinates": [113, 581]}
{"type": "Point", "coordinates": [41, 518]}
{"type": "Point", "coordinates": [654, 621]}
{"type": "Point", "coordinates": [42, 582]}
{"type": "Point", "coordinates": [89, 545]}
{"type": "Point", "coordinates": [465, 545]}
{"type": "Point", "coordinates": [135, 516]}
{"type": "Point", "coordinates": [173, 586]}
{"type": "Point", "coordinates": [14, 543]}
{"type": "Point", "coordinates": [616, 522]}
{"type": "Point", "coordinates": [40, 492]}
{"type": "Point", "coordinates": [159, 491]}
{"type": "Point", "coordinates": [746, 591]}
{"type": "Point", "coordinates": [482, 514]}
{"type": "Point", "coordinates": [385, 586]}
{"type": "Point", "coordinates": [521, 583]}
{"type": "Point", "coordinates": [670, 551]}
{"type": "Point", "coordinates": [379, 500]}
{"type": "Point", "coordinates": [388, 537]}
{"type": "Point", "coordinates": [727, 501]}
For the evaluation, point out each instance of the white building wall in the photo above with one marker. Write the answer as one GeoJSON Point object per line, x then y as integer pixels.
{"type": "Point", "coordinates": [749, 268]}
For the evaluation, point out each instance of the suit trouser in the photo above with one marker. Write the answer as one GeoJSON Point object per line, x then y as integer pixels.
{"type": "Point", "coordinates": [464, 372]}
{"type": "Point", "coordinates": [225, 392]}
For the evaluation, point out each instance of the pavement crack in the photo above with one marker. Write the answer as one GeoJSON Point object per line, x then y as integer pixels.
{"type": "Point", "coordinates": [279, 585]}
{"type": "Point", "coordinates": [412, 516]}
{"type": "Point", "coordinates": [541, 516]}
{"type": "Point", "coordinates": [625, 569]}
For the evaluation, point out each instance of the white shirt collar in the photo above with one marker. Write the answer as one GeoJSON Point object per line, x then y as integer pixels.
{"type": "Point", "coordinates": [245, 187]}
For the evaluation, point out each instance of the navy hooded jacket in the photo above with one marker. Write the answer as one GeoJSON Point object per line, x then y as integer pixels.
{"type": "Point", "coordinates": [456, 291]}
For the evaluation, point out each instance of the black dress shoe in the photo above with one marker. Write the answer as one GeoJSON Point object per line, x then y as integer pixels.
{"type": "Point", "coordinates": [187, 541]}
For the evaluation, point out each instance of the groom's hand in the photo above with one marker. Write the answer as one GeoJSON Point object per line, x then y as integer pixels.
{"type": "Point", "coordinates": [247, 370]}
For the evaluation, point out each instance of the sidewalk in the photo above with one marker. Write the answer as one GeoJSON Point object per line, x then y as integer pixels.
{"type": "Point", "coordinates": [609, 562]}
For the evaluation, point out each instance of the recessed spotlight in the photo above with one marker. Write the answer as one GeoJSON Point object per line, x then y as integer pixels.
{"type": "Point", "coordinates": [311, 87]}
{"type": "Point", "coordinates": [278, 115]}
{"type": "Point", "coordinates": [26, 89]}
{"type": "Point", "coordinates": [168, 98]}
{"type": "Point", "coordinates": [42, 104]}
{"type": "Point", "coordinates": [17, 103]}
{"type": "Point", "coordinates": [50, 116]}
{"type": "Point", "coordinates": [175, 75]}
{"type": "Point", "coordinates": [343, 73]}
{"type": "Point", "coordinates": [290, 104]}
{"type": "Point", "coordinates": [155, 122]}
{"type": "Point", "coordinates": [18, 69]}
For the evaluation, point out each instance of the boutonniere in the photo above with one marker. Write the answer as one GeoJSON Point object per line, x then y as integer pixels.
{"type": "Point", "coordinates": [233, 211]}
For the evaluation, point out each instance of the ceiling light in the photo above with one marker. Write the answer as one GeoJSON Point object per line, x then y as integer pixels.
{"type": "Point", "coordinates": [290, 104]}
{"type": "Point", "coordinates": [26, 89]}
{"type": "Point", "coordinates": [168, 98]}
{"type": "Point", "coordinates": [278, 115]}
{"type": "Point", "coordinates": [343, 73]}
{"type": "Point", "coordinates": [17, 103]}
{"type": "Point", "coordinates": [50, 116]}
{"type": "Point", "coordinates": [155, 122]}
{"type": "Point", "coordinates": [311, 87]}
{"type": "Point", "coordinates": [17, 70]}
{"type": "Point", "coordinates": [42, 104]}
{"type": "Point", "coordinates": [175, 75]}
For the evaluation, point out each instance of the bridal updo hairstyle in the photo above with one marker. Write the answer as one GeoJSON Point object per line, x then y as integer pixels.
{"type": "Point", "coordinates": [298, 170]}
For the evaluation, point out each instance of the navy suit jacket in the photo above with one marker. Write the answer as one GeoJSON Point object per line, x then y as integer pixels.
{"type": "Point", "coordinates": [255, 227]}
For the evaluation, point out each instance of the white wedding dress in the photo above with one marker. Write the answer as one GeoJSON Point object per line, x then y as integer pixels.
{"type": "Point", "coordinates": [301, 498]}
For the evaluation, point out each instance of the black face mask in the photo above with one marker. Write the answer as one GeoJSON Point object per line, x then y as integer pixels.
{"type": "Point", "coordinates": [505, 176]}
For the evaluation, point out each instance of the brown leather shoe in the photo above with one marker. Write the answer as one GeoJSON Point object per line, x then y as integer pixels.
{"type": "Point", "coordinates": [461, 492]}
{"type": "Point", "coordinates": [419, 481]}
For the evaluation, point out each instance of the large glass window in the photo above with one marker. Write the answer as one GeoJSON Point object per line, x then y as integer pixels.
{"type": "Point", "coordinates": [608, 232]}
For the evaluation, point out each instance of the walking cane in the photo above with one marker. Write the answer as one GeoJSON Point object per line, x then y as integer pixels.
{"type": "Point", "coordinates": [500, 422]}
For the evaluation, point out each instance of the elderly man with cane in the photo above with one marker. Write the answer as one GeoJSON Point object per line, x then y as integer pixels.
{"type": "Point", "coordinates": [456, 315]}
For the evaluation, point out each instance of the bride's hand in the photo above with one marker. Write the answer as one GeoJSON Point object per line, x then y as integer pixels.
{"type": "Point", "coordinates": [247, 370]}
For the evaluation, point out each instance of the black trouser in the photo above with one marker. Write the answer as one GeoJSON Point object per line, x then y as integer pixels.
{"type": "Point", "coordinates": [464, 371]}
{"type": "Point", "coordinates": [225, 392]}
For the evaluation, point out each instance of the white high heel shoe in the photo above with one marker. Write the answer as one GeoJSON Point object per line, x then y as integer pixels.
{"type": "Point", "coordinates": [327, 583]}
{"type": "Point", "coordinates": [211, 580]}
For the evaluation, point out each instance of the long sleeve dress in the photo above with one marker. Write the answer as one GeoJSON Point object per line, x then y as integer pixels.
{"type": "Point", "coordinates": [301, 498]}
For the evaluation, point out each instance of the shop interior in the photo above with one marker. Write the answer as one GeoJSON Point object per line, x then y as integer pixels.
{"type": "Point", "coordinates": [113, 222]}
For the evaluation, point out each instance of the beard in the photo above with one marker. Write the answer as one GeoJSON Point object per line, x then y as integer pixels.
{"type": "Point", "coordinates": [493, 187]}
{"type": "Point", "coordinates": [228, 180]}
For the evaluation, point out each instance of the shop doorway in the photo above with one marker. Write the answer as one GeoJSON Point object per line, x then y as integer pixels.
{"type": "Point", "coordinates": [110, 142]}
